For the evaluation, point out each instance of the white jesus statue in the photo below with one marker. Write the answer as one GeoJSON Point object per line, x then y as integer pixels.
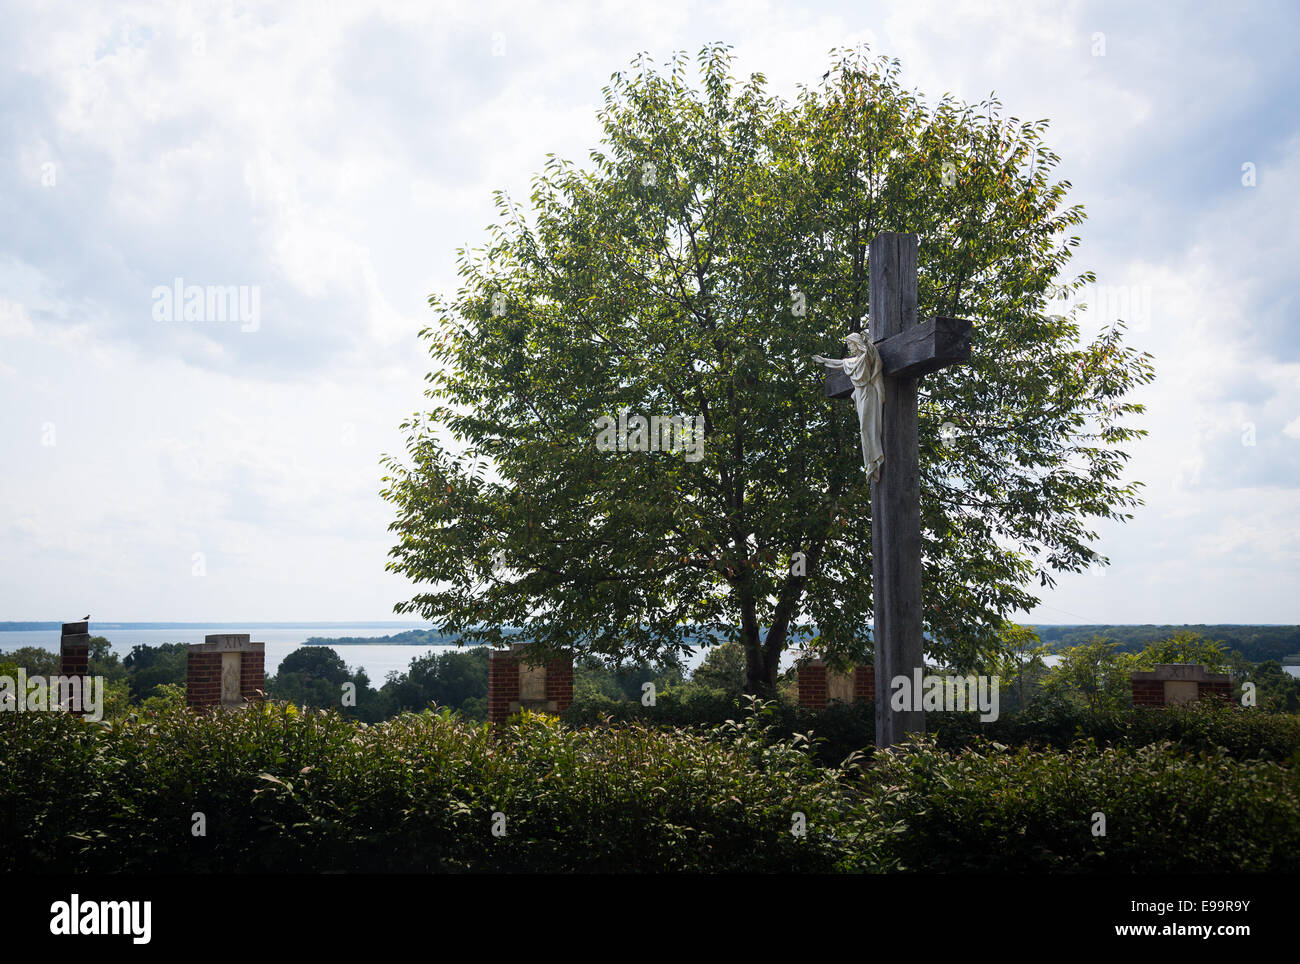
{"type": "Point", "coordinates": [864, 369]}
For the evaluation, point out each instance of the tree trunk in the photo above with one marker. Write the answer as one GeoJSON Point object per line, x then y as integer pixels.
{"type": "Point", "coordinates": [763, 657]}
{"type": "Point", "coordinates": [760, 670]}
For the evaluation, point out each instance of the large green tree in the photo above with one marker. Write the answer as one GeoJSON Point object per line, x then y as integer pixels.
{"type": "Point", "coordinates": [716, 240]}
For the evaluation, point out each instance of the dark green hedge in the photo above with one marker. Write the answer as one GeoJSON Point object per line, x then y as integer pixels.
{"type": "Point", "coordinates": [1245, 734]}
{"type": "Point", "coordinates": [1030, 810]}
{"type": "Point", "coordinates": [838, 731]}
{"type": "Point", "coordinates": [282, 791]}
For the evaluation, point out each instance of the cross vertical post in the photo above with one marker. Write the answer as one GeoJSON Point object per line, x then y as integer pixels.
{"type": "Point", "coordinates": [907, 351]}
{"type": "Point", "coordinates": [895, 498]}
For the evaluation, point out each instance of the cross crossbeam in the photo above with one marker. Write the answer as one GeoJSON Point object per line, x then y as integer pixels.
{"type": "Point", "coordinates": [916, 351]}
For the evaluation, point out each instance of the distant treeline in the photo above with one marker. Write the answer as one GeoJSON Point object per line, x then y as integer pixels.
{"type": "Point", "coordinates": [412, 637]}
{"type": "Point", "coordinates": [432, 637]}
{"type": "Point", "coordinates": [1255, 643]}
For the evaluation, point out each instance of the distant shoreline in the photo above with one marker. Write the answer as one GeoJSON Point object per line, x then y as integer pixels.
{"type": "Point", "coordinates": [411, 637]}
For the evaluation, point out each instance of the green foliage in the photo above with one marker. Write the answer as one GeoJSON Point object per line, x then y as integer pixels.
{"type": "Point", "coordinates": [166, 698]}
{"type": "Point", "coordinates": [683, 706]}
{"type": "Point", "coordinates": [36, 660]}
{"type": "Point", "coordinates": [1256, 643]}
{"type": "Point", "coordinates": [992, 811]}
{"type": "Point", "coordinates": [1184, 646]}
{"type": "Point", "coordinates": [153, 667]}
{"type": "Point", "coordinates": [115, 697]}
{"type": "Point", "coordinates": [288, 791]}
{"type": "Point", "coordinates": [103, 661]}
{"type": "Point", "coordinates": [117, 701]}
{"type": "Point", "coordinates": [315, 662]}
{"type": "Point", "coordinates": [315, 677]}
{"type": "Point", "coordinates": [596, 678]}
{"type": "Point", "coordinates": [1276, 690]}
{"type": "Point", "coordinates": [1020, 666]}
{"type": "Point", "coordinates": [1096, 674]}
{"type": "Point", "coordinates": [672, 294]}
{"type": "Point", "coordinates": [593, 681]}
{"type": "Point", "coordinates": [409, 637]}
{"type": "Point", "coordinates": [448, 678]}
{"type": "Point", "coordinates": [1244, 734]}
{"type": "Point", "coordinates": [473, 708]}
{"type": "Point", "coordinates": [723, 669]}
{"type": "Point", "coordinates": [845, 729]}
{"type": "Point", "coordinates": [840, 730]}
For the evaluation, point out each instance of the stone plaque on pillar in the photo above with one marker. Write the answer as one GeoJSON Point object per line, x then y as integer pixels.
{"type": "Point", "coordinates": [820, 685]}
{"type": "Point", "coordinates": [839, 686]}
{"type": "Point", "coordinates": [230, 678]}
{"type": "Point", "coordinates": [516, 684]}
{"type": "Point", "coordinates": [532, 683]}
{"type": "Point", "coordinates": [225, 670]}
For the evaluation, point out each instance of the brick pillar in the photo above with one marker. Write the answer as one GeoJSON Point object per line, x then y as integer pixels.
{"type": "Point", "coordinates": [864, 683]}
{"type": "Point", "coordinates": [1148, 692]}
{"type": "Point", "coordinates": [503, 684]}
{"type": "Point", "coordinates": [225, 670]}
{"type": "Point", "coordinates": [513, 684]}
{"type": "Point", "coordinates": [1215, 689]}
{"type": "Point", "coordinates": [559, 683]}
{"type": "Point", "coordinates": [1171, 683]}
{"type": "Point", "coordinates": [202, 679]}
{"type": "Point", "coordinates": [816, 683]}
{"type": "Point", "coordinates": [74, 659]}
{"type": "Point", "coordinates": [812, 684]}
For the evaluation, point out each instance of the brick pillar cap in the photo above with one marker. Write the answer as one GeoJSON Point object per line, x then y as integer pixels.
{"type": "Point", "coordinates": [1180, 671]}
{"type": "Point", "coordinates": [517, 649]}
{"type": "Point", "coordinates": [227, 643]}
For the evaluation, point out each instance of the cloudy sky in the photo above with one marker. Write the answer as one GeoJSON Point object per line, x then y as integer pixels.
{"type": "Point", "coordinates": [330, 157]}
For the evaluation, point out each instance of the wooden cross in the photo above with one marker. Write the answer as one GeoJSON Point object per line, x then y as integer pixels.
{"type": "Point", "coordinates": [907, 351]}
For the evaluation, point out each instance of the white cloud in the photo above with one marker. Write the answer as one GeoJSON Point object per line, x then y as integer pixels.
{"type": "Point", "coordinates": [14, 322]}
{"type": "Point", "coordinates": [336, 155]}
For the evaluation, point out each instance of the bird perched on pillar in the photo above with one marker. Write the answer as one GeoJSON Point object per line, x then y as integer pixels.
{"type": "Point", "coordinates": [86, 618]}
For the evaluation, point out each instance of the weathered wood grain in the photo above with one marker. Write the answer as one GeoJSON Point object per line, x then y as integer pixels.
{"type": "Point", "coordinates": [895, 498]}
